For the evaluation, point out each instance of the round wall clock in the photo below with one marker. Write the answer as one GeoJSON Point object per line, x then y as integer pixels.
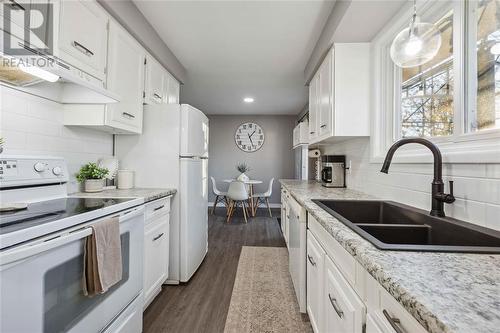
{"type": "Point", "coordinates": [249, 137]}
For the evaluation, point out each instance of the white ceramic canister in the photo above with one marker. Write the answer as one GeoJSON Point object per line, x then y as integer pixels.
{"type": "Point", "coordinates": [125, 179]}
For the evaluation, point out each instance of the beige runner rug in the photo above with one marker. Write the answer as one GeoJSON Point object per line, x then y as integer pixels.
{"type": "Point", "coordinates": [263, 298]}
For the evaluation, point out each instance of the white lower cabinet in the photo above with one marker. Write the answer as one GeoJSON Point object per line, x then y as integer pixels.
{"type": "Point", "coordinates": [315, 274]}
{"type": "Point", "coordinates": [156, 248]}
{"type": "Point", "coordinates": [344, 310]}
{"type": "Point", "coordinates": [342, 297]}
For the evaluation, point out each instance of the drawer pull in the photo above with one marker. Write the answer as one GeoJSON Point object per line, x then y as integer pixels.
{"type": "Point", "coordinates": [158, 208]}
{"type": "Point", "coordinates": [158, 237]}
{"type": "Point", "coordinates": [128, 115]}
{"type": "Point", "coordinates": [157, 96]}
{"type": "Point", "coordinates": [323, 126]}
{"type": "Point", "coordinates": [336, 307]}
{"type": "Point", "coordinates": [395, 322]}
{"type": "Point", "coordinates": [82, 49]}
{"type": "Point", "coordinates": [312, 132]}
{"type": "Point", "coordinates": [311, 260]}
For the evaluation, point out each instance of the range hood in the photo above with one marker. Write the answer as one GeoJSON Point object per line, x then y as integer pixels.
{"type": "Point", "coordinates": [51, 78]}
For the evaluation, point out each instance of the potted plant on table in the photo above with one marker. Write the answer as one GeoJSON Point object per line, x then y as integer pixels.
{"type": "Point", "coordinates": [92, 176]}
{"type": "Point", "coordinates": [242, 168]}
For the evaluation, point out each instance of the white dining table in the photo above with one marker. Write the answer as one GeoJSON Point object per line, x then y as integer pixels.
{"type": "Point", "coordinates": [251, 183]}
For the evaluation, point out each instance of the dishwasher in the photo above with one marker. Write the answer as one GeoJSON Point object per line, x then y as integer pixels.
{"type": "Point", "coordinates": [297, 236]}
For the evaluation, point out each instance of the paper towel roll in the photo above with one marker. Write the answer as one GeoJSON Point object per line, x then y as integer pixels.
{"type": "Point", "coordinates": [314, 153]}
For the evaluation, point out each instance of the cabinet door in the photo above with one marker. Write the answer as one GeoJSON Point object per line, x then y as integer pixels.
{"type": "Point", "coordinates": [155, 79]}
{"type": "Point", "coordinates": [83, 36]}
{"type": "Point", "coordinates": [172, 89]}
{"type": "Point", "coordinates": [313, 108]}
{"type": "Point", "coordinates": [126, 78]}
{"type": "Point", "coordinates": [326, 97]}
{"type": "Point", "coordinates": [156, 255]}
{"type": "Point", "coordinates": [344, 310]}
{"type": "Point", "coordinates": [371, 325]}
{"type": "Point", "coordinates": [315, 263]}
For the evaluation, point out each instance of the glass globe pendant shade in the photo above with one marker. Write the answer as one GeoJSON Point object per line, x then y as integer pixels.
{"type": "Point", "coordinates": [415, 45]}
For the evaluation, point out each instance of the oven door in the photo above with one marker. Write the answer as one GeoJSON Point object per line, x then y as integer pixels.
{"type": "Point", "coordinates": [41, 281]}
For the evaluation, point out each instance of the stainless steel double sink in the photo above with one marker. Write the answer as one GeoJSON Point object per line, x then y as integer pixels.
{"type": "Point", "coordinates": [393, 226]}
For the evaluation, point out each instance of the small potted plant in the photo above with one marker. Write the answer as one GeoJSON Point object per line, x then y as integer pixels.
{"type": "Point", "coordinates": [92, 176]}
{"type": "Point", "coordinates": [1, 144]}
{"type": "Point", "coordinates": [242, 168]}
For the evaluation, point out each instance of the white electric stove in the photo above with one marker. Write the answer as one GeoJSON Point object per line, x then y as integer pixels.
{"type": "Point", "coordinates": [42, 231]}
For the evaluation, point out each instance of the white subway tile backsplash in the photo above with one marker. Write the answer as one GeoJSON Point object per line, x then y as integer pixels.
{"type": "Point", "coordinates": [34, 126]}
{"type": "Point", "coordinates": [477, 186]}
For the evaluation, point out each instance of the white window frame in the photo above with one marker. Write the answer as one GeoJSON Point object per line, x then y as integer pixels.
{"type": "Point", "coordinates": [461, 147]}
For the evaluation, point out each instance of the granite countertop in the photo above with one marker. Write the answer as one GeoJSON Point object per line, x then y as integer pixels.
{"type": "Point", "coordinates": [148, 194]}
{"type": "Point", "coordinates": [445, 292]}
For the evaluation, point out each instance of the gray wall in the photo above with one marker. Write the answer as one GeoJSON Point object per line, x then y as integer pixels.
{"type": "Point", "coordinates": [274, 159]}
{"type": "Point", "coordinates": [125, 12]}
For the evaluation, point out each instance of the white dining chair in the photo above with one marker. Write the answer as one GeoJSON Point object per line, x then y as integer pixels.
{"type": "Point", "coordinates": [219, 195]}
{"type": "Point", "coordinates": [261, 198]}
{"type": "Point", "coordinates": [237, 195]}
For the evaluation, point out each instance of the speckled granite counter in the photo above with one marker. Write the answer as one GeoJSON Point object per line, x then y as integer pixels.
{"type": "Point", "coordinates": [445, 292]}
{"type": "Point", "coordinates": [149, 194]}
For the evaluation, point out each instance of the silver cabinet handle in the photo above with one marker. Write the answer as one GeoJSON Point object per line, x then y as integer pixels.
{"type": "Point", "coordinates": [128, 115]}
{"type": "Point", "coordinates": [395, 322]}
{"type": "Point", "coordinates": [312, 132]}
{"type": "Point", "coordinates": [157, 96]}
{"type": "Point", "coordinates": [311, 260]}
{"type": "Point", "coordinates": [323, 126]}
{"type": "Point", "coordinates": [82, 49]}
{"type": "Point", "coordinates": [158, 237]}
{"type": "Point", "coordinates": [336, 307]}
{"type": "Point", "coordinates": [158, 208]}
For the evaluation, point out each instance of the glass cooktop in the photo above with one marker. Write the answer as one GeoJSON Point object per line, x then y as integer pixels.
{"type": "Point", "coordinates": [38, 213]}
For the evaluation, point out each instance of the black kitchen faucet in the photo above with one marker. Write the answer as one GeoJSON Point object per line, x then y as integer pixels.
{"type": "Point", "coordinates": [438, 195]}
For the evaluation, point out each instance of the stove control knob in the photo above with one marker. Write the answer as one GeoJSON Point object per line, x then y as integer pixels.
{"type": "Point", "coordinates": [57, 171]}
{"type": "Point", "coordinates": [40, 167]}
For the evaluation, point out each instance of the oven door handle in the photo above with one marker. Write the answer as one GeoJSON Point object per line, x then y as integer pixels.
{"type": "Point", "coordinates": [37, 248]}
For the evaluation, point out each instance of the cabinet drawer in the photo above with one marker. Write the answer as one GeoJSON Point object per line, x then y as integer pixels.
{"type": "Point", "coordinates": [344, 310]}
{"type": "Point", "coordinates": [315, 272]}
{"type": "Point", "coordinates": [156, 209]}
{"type": "Point", "coordinates": [386, 312]}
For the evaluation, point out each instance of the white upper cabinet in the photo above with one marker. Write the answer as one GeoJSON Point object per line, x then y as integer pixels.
{"type": "Point", "coordinates": [301, 134]}
{"type": "Point", "coordinates": [126, 78]}
{"type": "Point", "coordinates": [161, 86]}
{"type": "Point", "coordinates": [155, 83]}
{"type": "Point", "coordinates": [83, 35]}
{"type": "Point", "coordinates": [172, 89]}
{"type": "Point", "coordinates": [339, 94]}
{"type": "Point", "coordinates": [313, 108]}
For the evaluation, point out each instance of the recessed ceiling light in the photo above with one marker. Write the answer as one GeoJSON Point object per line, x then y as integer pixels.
{"type": "Point", "coordinates": [248, 100]}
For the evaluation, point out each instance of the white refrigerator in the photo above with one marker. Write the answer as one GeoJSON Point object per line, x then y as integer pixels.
{"type": "Point", "coordinates": [173, 152]}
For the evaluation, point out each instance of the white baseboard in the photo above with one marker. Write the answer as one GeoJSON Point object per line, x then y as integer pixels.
{"type": "Point", "coordinates": [271, 205]}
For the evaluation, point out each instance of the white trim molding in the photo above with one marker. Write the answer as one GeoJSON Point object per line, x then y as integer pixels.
{"type": "Point", "coordinates": [461, 147]}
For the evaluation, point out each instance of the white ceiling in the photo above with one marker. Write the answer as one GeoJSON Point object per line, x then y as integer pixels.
{"type": "Point", "coordinates": [234, 49]}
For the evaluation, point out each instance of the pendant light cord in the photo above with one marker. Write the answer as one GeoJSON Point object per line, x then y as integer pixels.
{"type": "Point", "coordinates": [414, 18]}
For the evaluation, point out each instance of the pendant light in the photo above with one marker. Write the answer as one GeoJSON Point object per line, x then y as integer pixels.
{"type": "Point", "coordinates": [417, 44]}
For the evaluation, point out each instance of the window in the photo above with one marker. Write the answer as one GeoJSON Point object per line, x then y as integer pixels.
{"type": "Point", "coordinates": [485, 36]}
{"type": "Point", "coordinates": [454, 99]}
{"type": "Point", "coordinates": [427, 91]}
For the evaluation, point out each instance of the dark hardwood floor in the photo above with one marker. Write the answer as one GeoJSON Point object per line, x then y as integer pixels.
{"type": "Point", "coordinates": [201, 305]}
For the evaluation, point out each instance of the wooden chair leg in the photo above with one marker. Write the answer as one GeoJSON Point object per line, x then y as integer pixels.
{"type": "Point", "coordinates": [215, 204]}
{"type": "Point", "coordinates": [268, 208]}
{"type": "Point", "coordinates": [244, 211]}
{"type": "Point", "coordinates": [255, 206]}
{"type": "Point", "coordinates": [229, 211]}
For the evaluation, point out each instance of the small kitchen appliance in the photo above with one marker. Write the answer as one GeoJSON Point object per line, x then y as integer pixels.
{"type": "Point", "coordinates": [41, 253]}
{"type": "Point", "coordinates": [333, 170]}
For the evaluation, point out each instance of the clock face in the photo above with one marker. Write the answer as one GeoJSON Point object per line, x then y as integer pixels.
{"type": "Point", "coordinates": [249, 137]}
